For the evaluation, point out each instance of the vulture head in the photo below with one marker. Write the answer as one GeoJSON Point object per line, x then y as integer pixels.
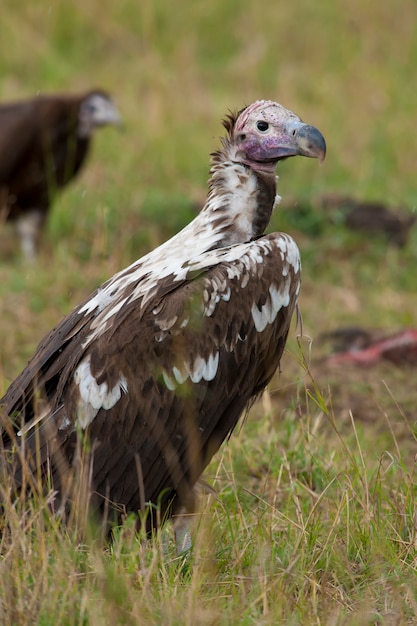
{"type": "Point", "coordinates": [96, 109]}
{"type": "Point", "coordinates": [265, 132]}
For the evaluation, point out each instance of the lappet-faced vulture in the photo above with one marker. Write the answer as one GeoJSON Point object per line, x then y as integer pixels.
{"type": "Point", "coordinates": [156, 366]}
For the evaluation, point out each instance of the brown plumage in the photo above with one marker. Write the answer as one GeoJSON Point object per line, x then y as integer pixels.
{"type": "Point", "coordinates": [44, 143]}
{"type": "Point", "coordinates": [156, 367]}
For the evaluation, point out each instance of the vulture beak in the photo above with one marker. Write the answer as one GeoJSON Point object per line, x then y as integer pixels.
{"type": "Point", "coordinates": [310, 142]}
{"type": "Point", "coordinates": [97, 110]}
{"type": "Point", "coordinates": [113, 117]}
{"type": "Point", "coordinates": [306, 141]}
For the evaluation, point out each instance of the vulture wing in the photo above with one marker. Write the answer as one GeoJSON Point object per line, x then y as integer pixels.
{"type": "Point", "coordinates": [165, 385]}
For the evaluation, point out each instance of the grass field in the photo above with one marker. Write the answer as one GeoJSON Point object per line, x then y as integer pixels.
{"type": "Point", "coordinates": [315, 518]}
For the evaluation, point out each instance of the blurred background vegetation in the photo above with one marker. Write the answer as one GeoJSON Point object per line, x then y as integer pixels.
{"type": "Point", "coordinates": [175, 70]}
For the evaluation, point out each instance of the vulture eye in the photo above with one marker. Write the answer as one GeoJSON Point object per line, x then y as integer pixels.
{"type": "Point", "coordinates": [262, 126]}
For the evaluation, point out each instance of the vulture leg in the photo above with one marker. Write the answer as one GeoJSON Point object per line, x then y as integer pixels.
{"type": "Point", "coordinates": [28, 228]}
{"type": "Point", "coordinates": [182, 524]}
{"type": "Point", "coordinates": [183, 541]}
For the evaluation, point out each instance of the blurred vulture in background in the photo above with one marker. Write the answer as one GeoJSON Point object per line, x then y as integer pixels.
{"type": "Point", "coordinates": [44, 142]}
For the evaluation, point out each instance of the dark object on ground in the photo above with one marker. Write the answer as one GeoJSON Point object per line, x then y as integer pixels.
{"type": "Point", "coordinates": [372, 217]}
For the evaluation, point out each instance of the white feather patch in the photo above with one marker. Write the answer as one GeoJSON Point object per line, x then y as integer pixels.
{"type": "Point", "coordinates": [65, 423]}
{"type": "Point", "coordinates": [289, 252]}
{"type": "Point", "coordinates": [204, 370]}
{"type": "Point", "coordinates": [100, 301]}
{"type": "Point", "coordinates": [169, 382]}
{"type": "Point", "coordinates": [180, 376]}
{"type": "Point", "coordinates": [94, 397]}
{"type": "Point", "coordinates": [278, 298]}
{"type": "Point", "coordinates": [200, 369]}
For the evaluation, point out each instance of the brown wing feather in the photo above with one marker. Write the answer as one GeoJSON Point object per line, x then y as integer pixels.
{"type": "Point", "coordinates": [192, 360]}
{"type": "Point", "coordinates": [176, 431]}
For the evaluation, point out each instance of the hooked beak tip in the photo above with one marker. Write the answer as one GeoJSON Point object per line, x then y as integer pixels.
{"type": "Point", "coordinates": [311, 143]}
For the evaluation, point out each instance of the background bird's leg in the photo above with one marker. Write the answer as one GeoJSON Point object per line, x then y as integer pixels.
{"type": "Point", "coordinates": [28, 228]}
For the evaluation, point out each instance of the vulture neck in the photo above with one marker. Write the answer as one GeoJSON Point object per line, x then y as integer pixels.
{"type": "Point", "coordinates": [240, 201]}
{"type": "Point", "coordinates": [238, 209]}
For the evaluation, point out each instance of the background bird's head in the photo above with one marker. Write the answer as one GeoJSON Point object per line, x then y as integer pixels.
{"type": "Point", "coordinates": [96, 109]}
{"type": "Point", "coordinates": [265, 132]}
